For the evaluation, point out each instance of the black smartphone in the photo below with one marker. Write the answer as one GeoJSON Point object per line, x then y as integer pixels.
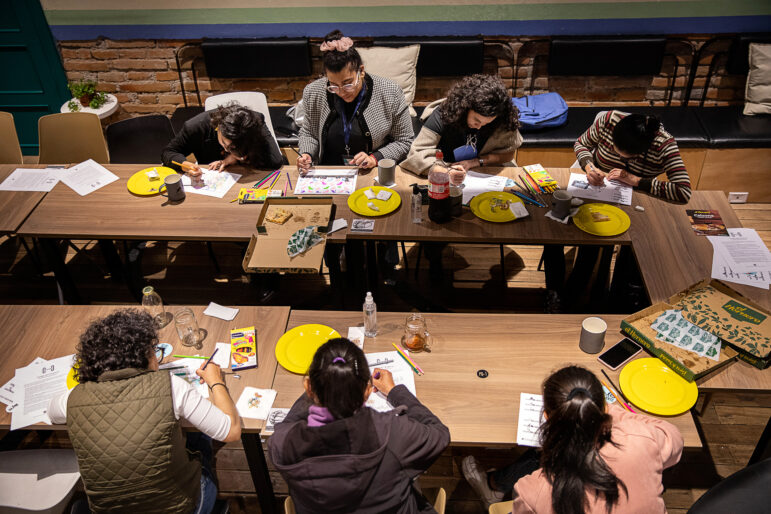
{"type": "Point", "coordinates": [619, 353]}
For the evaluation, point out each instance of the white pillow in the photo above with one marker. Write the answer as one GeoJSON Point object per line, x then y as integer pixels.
{"type": "Point", "coordinates": [397, 64]}
{"type": "Point", "coordinates": [757, 94]}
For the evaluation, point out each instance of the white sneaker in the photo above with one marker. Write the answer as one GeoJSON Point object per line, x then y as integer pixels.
{"type": "Point", "coordinates": [478, 480]}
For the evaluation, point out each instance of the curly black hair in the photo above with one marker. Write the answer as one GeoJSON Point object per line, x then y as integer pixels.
{"type": "Point", "coordinates": [124, 339]}
{"type": "Point", "coordinates": [243, 127]}
{"type": "Point", "coordinates": [486, 95]}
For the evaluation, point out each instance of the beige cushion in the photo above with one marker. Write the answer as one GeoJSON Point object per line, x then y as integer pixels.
{"type": "Point", "coordinates": [757, 95]}
{"type": "Point", "coordinates": [397, 64]}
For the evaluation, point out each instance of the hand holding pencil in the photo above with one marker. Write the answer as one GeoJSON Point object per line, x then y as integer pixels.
{"type": "Point", "coordinates": [190, 168]}
{"type": "Point", "coordinates": [382, 380]}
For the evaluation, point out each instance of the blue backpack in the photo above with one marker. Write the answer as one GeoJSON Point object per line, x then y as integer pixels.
{"type": "Point", "coordinates": [541, 111]}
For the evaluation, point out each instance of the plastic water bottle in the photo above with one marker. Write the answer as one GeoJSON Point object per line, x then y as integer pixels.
{"type": "Point", "coordinates": [370, 316]}
{"type": "Point", "coordinates": [153, 304]}
{"type": "Point", "coordinates": [417, 205]}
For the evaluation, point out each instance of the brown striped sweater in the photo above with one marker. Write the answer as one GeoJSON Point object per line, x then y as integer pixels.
{"type": "Point", "coordinates": [596, 145]}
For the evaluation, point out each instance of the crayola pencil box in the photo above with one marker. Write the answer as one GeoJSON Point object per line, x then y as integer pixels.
{"type": "Point", "coordinates": [243, 348]}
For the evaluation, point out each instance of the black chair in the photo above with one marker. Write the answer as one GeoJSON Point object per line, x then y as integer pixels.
{"type": "Point", "coordinates": [182, 114]}
{"type": "Point", "coordinates": [139, 140]}
{"type": "Point", "coordinates": [745, 491]}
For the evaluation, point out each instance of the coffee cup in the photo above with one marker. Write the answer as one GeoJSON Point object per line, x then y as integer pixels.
{"type": "Point", "coordinates": [562, 203]}
{"type": "Point", "coordinates": [592, 335]}
{"type": "Point", "coordinates": [175, 190]}
{"type": "Point", "coordinates": [386, 172]}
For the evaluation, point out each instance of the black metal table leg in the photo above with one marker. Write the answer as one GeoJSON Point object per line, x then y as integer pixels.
{"type": "Point", "coordinates": [111, 257]}
{"type": "Point", "coordinates": [258, 467]}
{"type": "Point", "coordinates": [62, 274]}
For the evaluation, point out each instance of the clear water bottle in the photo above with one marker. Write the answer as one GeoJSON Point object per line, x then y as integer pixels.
{"type": "Point", "coordinates": [370, 316]}
{"type": "Point", "coordinates": [153, 304]}
{"type": "Point", "coordinates": [417, 205]}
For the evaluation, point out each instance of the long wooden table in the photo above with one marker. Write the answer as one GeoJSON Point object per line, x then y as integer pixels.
{"type": "Point", "coordinates": [51, 331]}
{"type": "Point", "coordinates": [15, 206]}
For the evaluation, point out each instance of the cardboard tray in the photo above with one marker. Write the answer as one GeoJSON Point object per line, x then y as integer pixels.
{"type": "Point", "coordinates": [266, 252]}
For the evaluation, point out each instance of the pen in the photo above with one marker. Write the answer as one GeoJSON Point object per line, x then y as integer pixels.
{"type": "Point", "coordinates": [210, 358]}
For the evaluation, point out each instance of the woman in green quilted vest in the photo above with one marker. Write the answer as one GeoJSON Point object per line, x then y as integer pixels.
{"type": "Point", "coordinates": [123, 419]}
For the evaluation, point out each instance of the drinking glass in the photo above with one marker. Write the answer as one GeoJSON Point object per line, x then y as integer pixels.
{"type": "Point", "coordinates": [416, 337]}
{"type": "Point", "coordinates": [187, 327]}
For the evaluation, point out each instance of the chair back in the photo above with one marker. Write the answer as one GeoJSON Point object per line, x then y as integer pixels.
{"type": "Point", "coordinates": [289, 506]}
{"type": "Point", "coordinates": [70, 138]}
{"type": "Point", "coordinates": [10, 151]}
{"type": "Point", "coordinates": [139, 140]}
{"type": "Point", "coordinates": [500, 508]}
{"type": "Point", "coordinates": [441, 501]}
{"type": "Point", "coordinates": [252, 99]}
{"type": "Point", "coordinates": [740, 492]}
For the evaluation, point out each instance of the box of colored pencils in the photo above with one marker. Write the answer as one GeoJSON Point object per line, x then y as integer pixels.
{"type": "Point", "coordinates": [247, 195]}
{"type": "Point", "coordinates": [243, 348]}
{"type": "Point", "coordinates": [541, 177]}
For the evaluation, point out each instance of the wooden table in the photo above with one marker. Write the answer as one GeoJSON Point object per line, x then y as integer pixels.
{"type": "Point", "coordinates": [15, 206]}
{"type": "Point", "coordinates": [50, 331]}
{"type": "Point", "coordinates": [518, 351]}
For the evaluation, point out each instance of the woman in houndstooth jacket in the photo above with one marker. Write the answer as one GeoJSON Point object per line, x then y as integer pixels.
{"type": "Point", "coordinates": [352, 117]}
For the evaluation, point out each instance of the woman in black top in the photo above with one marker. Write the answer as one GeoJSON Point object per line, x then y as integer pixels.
{"type": "Point", "coordinates": [228, 135]}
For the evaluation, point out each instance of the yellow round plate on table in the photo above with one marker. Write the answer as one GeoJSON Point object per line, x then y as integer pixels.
{"type": "Point", "coordinates": [653, 386]}
{"type": "Point", "coordinates": [482, 206]}
{"type": "Point", "coordinates": [295, 349]}
{"type": "Point", "coordinates": [601, 219]}
{"type": "Point", "coordinates": [140, 184]}
{"type": "Point", "coordinates": [71, 380]}
{"type": "Point", "coordinates": [358, 201]}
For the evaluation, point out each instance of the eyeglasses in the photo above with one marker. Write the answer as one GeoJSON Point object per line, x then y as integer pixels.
{"type": "Point", "coordinates": [347, 87]}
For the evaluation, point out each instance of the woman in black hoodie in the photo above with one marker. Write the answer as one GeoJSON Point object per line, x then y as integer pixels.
{"type": "Point", "coordinates": [337, 455]}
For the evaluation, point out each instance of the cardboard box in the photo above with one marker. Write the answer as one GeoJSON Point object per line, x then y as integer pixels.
{"type": "Point", "coordinates": [743, 326]}
{"type": "Point", "coordinates": [267, 253]}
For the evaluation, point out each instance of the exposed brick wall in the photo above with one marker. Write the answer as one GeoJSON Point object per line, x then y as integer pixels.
{"type": "Point", "coordinates": [143, 76]}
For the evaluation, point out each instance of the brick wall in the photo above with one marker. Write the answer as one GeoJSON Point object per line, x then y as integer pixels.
{"type": "Point", "coordinates": [143, 76]}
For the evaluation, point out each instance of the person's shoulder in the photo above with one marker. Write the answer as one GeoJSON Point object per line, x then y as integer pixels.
{"type": "Point", "coordinates": [316, 88]}
{"type": "Point", "coordinates": [199, 120]}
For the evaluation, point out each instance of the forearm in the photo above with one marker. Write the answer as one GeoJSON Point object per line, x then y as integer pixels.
{"type": "Point", "coordinates": [494, 159]}
{"type": "Point", "coordinates": [219, 396]}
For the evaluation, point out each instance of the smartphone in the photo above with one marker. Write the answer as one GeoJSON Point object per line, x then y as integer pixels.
{"type": "Point", "coordinates": [619, 353]}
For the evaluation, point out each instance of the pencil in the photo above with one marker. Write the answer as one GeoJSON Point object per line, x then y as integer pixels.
{"type": "Point", "coordinates": [264, 180]}
{"type": "Point", "coordinates": [626, 400]}
{"type": "Point", "coordinates": [275, 179]}
{"type": "Point", "coordinates": [183, 165]}
{"type": "Point", "coordinates": [190, 356]}
{"type": "Point", "coordinates": [210, 358]}
{"type": "Point", "coordinates": [527, 198]}
{"type": "Point", "coordinates": [412, 364]}
{"type": "Point", "coordinates": [620, 401]}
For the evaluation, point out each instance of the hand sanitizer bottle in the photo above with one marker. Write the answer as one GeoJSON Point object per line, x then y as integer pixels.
{"type": "Point", "coordinates": [370, 316]}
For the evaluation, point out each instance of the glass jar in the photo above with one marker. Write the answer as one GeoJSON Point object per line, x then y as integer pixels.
{"type": "Point", "coordinates": [187, 327]}
{"type": "Point", "coordinates": [416, 337]}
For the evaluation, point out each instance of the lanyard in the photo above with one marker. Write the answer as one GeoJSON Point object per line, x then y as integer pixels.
{"type": "Point", "coordinates": [348, 124]}
{"type": "Point", "coordinates": [471, 140]}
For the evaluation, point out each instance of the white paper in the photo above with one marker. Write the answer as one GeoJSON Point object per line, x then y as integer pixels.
{"type": "Point", "coordinates": [402, 374]}
{"type": "Point", "coordinates": [210, 183]}
{"type": "Point", "coordinates": [530, 419]}
{"type": "Point", "coordinates": [275, 416]}
{"type": "Point", "coordinates": [477, 183]}
{"type": "Point", "coordinates": [518, 209]}
{"type": "Point", "coordinates": [723, 264]}
{"type": "Point", "coordinates": [188, 374]}
{"type": "Point", "coordinates": [8, 393]}
{"type": "Point", "coordinates": [327, 182]}
{"type": "Point", "coordinates": [356, 336]}
{"type": "Point", "coordinates": [611, 191]}
{"type": "Point", "coordinates": [23, 179]}
{"type": "Point", "coordinates": [87, 177]}
{"type": "Point", "coordinates": [370, 194]}
{"type": "Point", "coordinates": [222, 357]}
{"type": "Point", "coordinates": [255, 403]}
{"type": "Point", "coordinates": [216, 310]}
{"type": "Point", "coordinates": [338, 224]}
{"type": "Point", "coordinates": [383, 195]}
{"type": "Point", "coordinates": [743, 250]}
{"type": "Point", "coordinates": [37, 384]}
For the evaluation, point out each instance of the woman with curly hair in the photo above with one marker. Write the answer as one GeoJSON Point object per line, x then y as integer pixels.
{"type": "Point", "coordinates": [230, 134]}
{"type": "Point", "coordinates": [123, 419]}
{"type": "Point", "coordinates": [476, 125]}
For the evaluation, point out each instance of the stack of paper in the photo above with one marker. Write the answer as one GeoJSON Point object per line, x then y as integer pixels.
{"type": "Point", "coordinates": [28, 393]}
{"type": "Point", "coordinates": [477, 183]}
{"type": "Point", "coordinates": [742, 258]}
{"type": "Point", "coordinates": [402, 374]}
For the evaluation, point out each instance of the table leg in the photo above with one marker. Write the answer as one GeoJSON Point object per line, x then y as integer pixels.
{"type": "Point", "coordinates": [258, 467]}
{"type": "Point", "coordinates": [111, 257]}
{"type": "Point", "coordinates": [62, 274]}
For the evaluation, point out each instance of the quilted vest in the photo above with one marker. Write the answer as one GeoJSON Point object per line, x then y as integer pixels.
{"type": "Point", "coordinates": [130, 447]}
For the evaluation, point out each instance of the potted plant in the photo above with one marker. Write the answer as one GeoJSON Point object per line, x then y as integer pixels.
{"type": "Point", "coordinates": [84, 93]}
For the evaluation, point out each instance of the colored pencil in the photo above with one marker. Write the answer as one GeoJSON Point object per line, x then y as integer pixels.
{"type": "Point", "coordinates": [264, 180]}
{"type": "Point", "coordinates": [173, 367]}
{"type": "Point", "coordinates": [190, 356]}
{"type": "Point", "coordinates": [412, 365]}
{"type": "Point", "coordinates": [620, 401]}
{"type": "Point", "coordinates": [275, 179]}
{"type": "Point", "coordinates": [626, 400]}
{"type": "Point", "coordinates": [537, 185]}
{"type": "Point", "coordinates": [289, 180]}
{"type": "Point", "coordinates": [210, 358]}
{"type": "Point", "coordinates": [527, 198]}
{"type": "Point", "coordinates": [183, 165]}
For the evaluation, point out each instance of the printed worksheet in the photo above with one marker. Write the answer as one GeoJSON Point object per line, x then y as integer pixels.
{"type": "Point", "coordinates": [185, 369]}
{"type": "Point", "coordinates": [530, 419]}
{"type": "Point", "coordinates": [327, 182]}
{"type": "Point", "coordinates": [87, 177]}
{"type": "Point", "coordinates": [210, 183]}
{"type": "Point", "coordinates": [743, 251]}
{"type": "Point", "coordinates": [477, 183]}
{"type": "Point", "coordinates": [611, 191]}
{"type": "Point", "coordinates": [36, 384]}
{"type": "Point", "coordinates": [31, 180]}
{"type": "Point", "coordinates": [401, 371]}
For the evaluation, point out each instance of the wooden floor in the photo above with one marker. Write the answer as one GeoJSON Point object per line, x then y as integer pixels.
{"type": "Point", "coordinates": [183, 273]}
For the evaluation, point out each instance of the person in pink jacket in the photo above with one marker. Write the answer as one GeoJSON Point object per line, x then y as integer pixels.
{"type": "Point", "coordinates": [595, 458]}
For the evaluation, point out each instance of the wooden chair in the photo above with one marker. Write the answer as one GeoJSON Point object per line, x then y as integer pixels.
{"type": "Point", "coordinates": [500, 508]}
{"type": "Point", "coordinates": [10, 151]}
{"type": "Point", "coordinates": [440, 504]}
{"type": "Point", "coordinates": [71, 138]}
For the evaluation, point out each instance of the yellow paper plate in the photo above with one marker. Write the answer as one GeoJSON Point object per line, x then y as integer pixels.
{"type": "Point", "coordinates": [71, 380]}
{"type": "Point", "coordinates": [601, 219]}
{"type": "Point", "coordinates": [654, 387]}
{"type": "Point", "coordinates": [139, 184]}
{"type": "Point", "coordinates": [481, 206]}
{"type": "Point", "coordinates": [296, 348]}
{"type": "Point", "coordinates": [357, 201]}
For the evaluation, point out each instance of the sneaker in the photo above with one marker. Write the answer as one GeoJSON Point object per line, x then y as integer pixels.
{"type": "Point", "coordinates": [478, 480]}
{"type": "Point", "coordinates": [553, 304]}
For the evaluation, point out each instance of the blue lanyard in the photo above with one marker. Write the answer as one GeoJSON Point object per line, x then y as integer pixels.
{"type": "Point", "coordinates": [348, 124]}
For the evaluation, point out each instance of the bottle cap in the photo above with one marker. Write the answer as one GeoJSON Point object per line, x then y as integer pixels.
{"type": "Point", "coordinates": [148, 290]}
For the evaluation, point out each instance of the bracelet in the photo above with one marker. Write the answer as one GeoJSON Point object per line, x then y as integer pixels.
{"type": "Point", "coordinates": [211, 387]}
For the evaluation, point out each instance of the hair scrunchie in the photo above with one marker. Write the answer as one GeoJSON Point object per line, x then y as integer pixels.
{"type": "Point", "coordinates": [338, 45]}
{"type": "Point", "coordinates": [339, 359]}
{"type": "Point", "coordinates": [578, 390]}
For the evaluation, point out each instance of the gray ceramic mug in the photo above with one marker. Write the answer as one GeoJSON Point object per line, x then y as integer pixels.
{"type": "Point", "coordinates": [175, 190]}
{"type": "Point", "coordinates": [386, 172]}
{"type": "Point", "coordinates": [563, 202]}
{"type": "Point", "coordinates": [592, 335]}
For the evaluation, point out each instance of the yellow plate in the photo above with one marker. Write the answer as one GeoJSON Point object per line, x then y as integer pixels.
{"type": "Point", "coordinates": [601, 219]}
{"type": "Point", "coordinates": [357, 201]}
{"type": "Point", "coordinates": [296, 348]}
{"type": "Point", "coordinates": [139, 184]}
{"type": "Point", "coordinates": [654, 387]}
{"type": "Point", "coordinates": [481, 206]}
{"type": "Point", "coordinates": [71, 380]}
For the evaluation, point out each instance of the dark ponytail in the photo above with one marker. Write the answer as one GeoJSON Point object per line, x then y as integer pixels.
{"type": "Point", "coordinates": [576, 427]}
{"type": "Point", "coordinates": [339, 375]}
{"type": "Point", "coordinates": [335, 60]}
{"type": "Point", "coordinates": [635, 133]}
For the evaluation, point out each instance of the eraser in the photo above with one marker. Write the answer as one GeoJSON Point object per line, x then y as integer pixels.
{"type": "Point", "coordinates": [639, 208]}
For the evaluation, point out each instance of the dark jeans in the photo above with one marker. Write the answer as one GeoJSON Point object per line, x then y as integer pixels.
{"type": "Point", "coordinates": [505, 478]}
{"type": "Point", "coordinates": [554, 266]}
{"type": "Point", "coordinates": [201, 443]}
